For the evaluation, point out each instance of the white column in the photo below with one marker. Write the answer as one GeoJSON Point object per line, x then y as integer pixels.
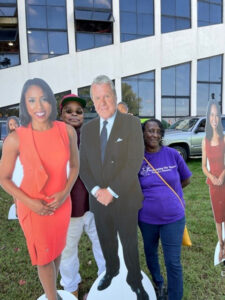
{"type": "Point", "coordinates": [193, 83]}
{"type": "Point", "coordinates": [157, 28]}
{"type": "Point", "coordinates": [223, 11]}
{"type": "Point", "coordinates": [158, 102]}
{"type": "Point", "coordinates": [71, 26]}
{"type": "Point", "coordinates": [157, 17]}
{"type": "Point", "coordinates": [223, 70]}
{"type": "Point", "coordinates": [194, 13]}
{"type": "Point", "coordinates": [194, 65]}
{"type": "Point", "coordinates": [118, 89]}
{"type": "Point", "coordinates": [223, 85]}
{"type": "Point", "coordinates": [22, 32]}
{"type": "Point", "coordinates": [116, 23]}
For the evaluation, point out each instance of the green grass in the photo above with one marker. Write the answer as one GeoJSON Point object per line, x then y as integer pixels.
{"type": "Point", "coordinates": [202, 281]}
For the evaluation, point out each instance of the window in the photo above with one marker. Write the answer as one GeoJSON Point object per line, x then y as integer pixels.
{"type": "Point", "coordinates": [209, 12]}
{"type": "Point", "coordinates": [9, 37]}
{"type": "Point", "coordinates": [11, 110]}
{"type": "Point", "coordinates": [176, 92]}
{"type": "Point", "coordinates": [175, 15]}
{"type": "Point", "coordinates": [138, 92]}
{"type": "Point", "coordinates": [94, 23]}
{"type": "Point", "coordinates": [46, 29]}
{"type": "Point", "coordinates": [209, 82]}
{"type": "Point", "coordinates": [90, 113]}
{"type": "Point", "coordinates": [136, 19]}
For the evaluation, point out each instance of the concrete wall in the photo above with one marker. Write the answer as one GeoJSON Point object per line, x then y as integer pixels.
{"type": "Point", "coordinates": [77, 69]}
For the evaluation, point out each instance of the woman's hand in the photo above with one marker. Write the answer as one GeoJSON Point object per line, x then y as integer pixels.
{"type": "Point", "coordinates": [58, 200]}
{"type": "Point", "coordinates": [40, 207]}
{"type": "Point", "coordinates": [215, 180]}
{"type": "Point", "coordinates": [221, 178]}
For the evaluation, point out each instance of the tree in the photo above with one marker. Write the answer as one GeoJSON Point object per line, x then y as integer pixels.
{"type": "Point", "coordinates": [131, 99]}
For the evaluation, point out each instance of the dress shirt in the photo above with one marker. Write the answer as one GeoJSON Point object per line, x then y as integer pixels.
{"type": "Point", "coordinates": [109, 129]}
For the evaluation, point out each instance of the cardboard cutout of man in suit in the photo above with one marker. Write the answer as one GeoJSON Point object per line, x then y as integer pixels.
{"type": "Point", "coordinates": [110, 176]}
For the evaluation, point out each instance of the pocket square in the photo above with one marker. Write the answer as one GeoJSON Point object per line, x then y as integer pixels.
{"type": "Point", "coordinates": [119, 140]}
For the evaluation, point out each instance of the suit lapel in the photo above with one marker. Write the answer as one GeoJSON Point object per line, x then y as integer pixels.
{"type": "Point", "coordinates": [95, 138]}
{"type": "Point", "coordinates": [114, 133]}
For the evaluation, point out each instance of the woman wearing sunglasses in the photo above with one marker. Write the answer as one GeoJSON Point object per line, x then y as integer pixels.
{"type": "Point", "coordinates": [72, 113]}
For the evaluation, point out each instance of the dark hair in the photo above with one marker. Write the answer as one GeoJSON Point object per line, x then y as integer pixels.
{"type": "Point", "coordinates": [12, 118]}
{"type": "Point", "coordinates": [208, 128]}
{"type": "Point", "coordinates": [24, 116]}
{"type": "Point", "coordinates": [158, 123]}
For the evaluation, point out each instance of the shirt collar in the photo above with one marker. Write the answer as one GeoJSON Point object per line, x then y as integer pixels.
{"type": "Point", "coordinates": [109, 120]}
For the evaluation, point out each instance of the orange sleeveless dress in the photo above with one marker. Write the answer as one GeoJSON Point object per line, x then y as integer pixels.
{"type": "Point", "coordinates": [44, 156]}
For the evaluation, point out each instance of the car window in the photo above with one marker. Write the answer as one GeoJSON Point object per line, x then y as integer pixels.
{"type": "Point", "coordinates": [184, 124]}
{"type": "Point", "coordinates": [201, 126]}
{"type": "Point", "coordinates": [223, 123]}
{"type": "Point", "coordinates": [3, 130]}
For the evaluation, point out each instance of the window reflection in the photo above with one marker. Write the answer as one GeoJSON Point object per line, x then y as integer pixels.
{"type": "Point", "coordinates": [209, 82]}
{"type": "Point", "coordinates": [46, 29]}
{"type": "Point", "coordinates": [138, 92]}
{"type": "Point", "coordinates": [38, 42]}
{"type": "Point", "coordinates": [90, 113]}
{"type": "Point", "coordinates": [9, 35]}
{"type": "Point", "coordinates": [11, 110]}
{"type": "Point", "coordinates": [176, 91]}
{"type": "Point", "coordinates": [136, 19]}
{"type": "Point", "coordinates": [209, 12]}
{"type": "Point", "coordinates": [94, 24]}
{"type": "Point", "coordinates": [56, 17]}
{"type": "Point", "coordinates": [175, 15]}
{"type": "Point", "coordinates": [36, 17]}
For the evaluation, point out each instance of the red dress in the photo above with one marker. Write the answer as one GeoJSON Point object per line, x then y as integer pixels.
{"type": "Point", "coordinates": [44, 156]}
{"type": "Point", "coordinates": [215, 155]}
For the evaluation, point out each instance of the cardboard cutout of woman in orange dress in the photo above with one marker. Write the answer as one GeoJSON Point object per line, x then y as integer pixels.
{"type": "Point", "coordinates": [44, 147]}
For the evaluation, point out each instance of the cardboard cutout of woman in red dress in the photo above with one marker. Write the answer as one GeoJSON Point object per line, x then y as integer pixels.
{"type": "Point", "coordinates": [213, 150]}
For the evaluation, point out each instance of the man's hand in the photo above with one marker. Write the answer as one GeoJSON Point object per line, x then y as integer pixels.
{"type": "Point", "coordinates": [104, 196]}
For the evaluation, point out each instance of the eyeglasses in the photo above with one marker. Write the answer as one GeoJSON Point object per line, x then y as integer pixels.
{"type": "Point", "coordinates": [78, 111]}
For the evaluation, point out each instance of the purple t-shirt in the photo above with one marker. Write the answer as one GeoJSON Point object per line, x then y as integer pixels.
{"type": "Point", "coordinates": [160, 204]}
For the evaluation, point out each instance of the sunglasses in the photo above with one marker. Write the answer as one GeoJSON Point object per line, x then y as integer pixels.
{"type": "Point", "coordinates": [78, 111]}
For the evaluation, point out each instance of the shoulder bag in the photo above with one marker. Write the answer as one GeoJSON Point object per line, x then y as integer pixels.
{"type": "Point", "coordinates": [186, 238]}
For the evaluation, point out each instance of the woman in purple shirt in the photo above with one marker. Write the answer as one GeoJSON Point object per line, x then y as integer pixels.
{"type": "Point", "coordinates": [162, 215]}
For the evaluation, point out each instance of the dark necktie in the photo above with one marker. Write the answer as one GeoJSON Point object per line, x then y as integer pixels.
{"type": "Point", "coordinates": [103, 138]}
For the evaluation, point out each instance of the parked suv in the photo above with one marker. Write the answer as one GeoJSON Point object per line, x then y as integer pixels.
{"type": "Point", "coordinates": [3, 133]}
{"type": "Point", "coordinates": [186, 136]}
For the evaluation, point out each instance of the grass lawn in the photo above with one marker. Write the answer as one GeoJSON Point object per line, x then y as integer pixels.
{"type": "Point", "coordinates": [202, 281]}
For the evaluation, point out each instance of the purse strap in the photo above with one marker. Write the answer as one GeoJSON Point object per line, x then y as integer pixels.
{"type": "Point", "coordinates": [164, 181]}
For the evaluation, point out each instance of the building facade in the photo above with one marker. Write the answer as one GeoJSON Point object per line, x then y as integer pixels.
{"type": "Point", "coordinates": [166, 57]}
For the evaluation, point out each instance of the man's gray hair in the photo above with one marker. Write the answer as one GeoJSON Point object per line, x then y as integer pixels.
{"type": "Point", "coordinates": [101, 79]}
